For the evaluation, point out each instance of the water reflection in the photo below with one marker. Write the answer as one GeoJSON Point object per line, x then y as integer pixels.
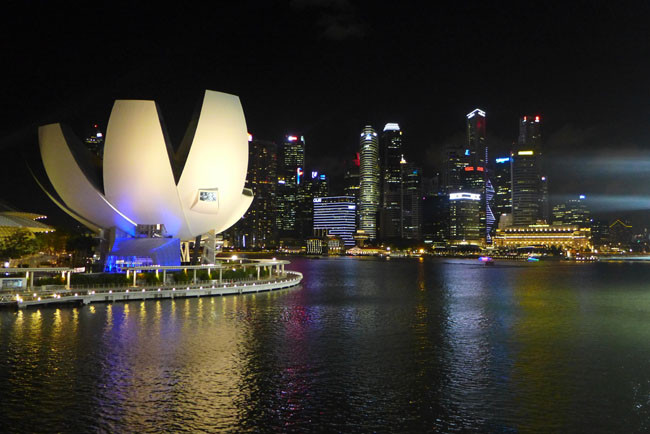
{"type": "Point", "coordinates": [363, 345]}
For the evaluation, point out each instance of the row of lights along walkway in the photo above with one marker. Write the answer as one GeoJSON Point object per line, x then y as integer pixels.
{"type": "Point", "coordinates": [277, 278]}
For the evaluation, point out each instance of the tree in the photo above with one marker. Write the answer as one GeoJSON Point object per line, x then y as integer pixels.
{"type": "Point", "coordinates": [18, 244]}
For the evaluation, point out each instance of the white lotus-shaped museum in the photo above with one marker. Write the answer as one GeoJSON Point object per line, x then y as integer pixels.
{"type": "Point", "coordinates": [194, 190]}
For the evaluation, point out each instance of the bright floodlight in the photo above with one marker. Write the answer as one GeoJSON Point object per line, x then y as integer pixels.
{"type": "Point", "coordinates": [197, 189]}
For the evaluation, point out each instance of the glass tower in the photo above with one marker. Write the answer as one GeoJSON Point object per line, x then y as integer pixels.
{"type": "Point", "coordinates": [527, 184]}
{"type": "Point", "coordinates": [259, 221]}
{"type": "Point", "coordinates": [369, 182]}
{"type": "Point", "coordinates": [476, 172]}
{"type": "Point", "coordinates": [391, 180]}
{"type": "Point", "coordinates": [290, 177]}
{"type": "Point", "coordinates": [336, 215]}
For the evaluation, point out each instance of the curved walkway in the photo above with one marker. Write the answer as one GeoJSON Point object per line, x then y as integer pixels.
{"type": "Point", "coordinates": [154, 292]}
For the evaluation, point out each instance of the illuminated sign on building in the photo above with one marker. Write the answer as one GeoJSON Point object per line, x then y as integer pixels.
{"type": "Point", "coordinates": [525, 153]}
{"type": "Point", "coordinates": [299, 174]}
{"type": "Point", "coordinates": [292, 138]}
{"type": "Point", "coordinates": [464, 196]}
{"type": "Point", "coordinates": [503, 160]}
{"type": "Point", "coordinates": [314, 175]}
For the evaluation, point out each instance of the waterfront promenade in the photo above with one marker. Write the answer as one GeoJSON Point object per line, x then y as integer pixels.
{"type": "Point", "coordinates": [277, 278]}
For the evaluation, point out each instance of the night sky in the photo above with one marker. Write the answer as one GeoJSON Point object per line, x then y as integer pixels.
{"type": "Point", "coordinates": [324, 69]}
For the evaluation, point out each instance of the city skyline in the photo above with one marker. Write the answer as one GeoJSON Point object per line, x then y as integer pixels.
{"type": "Point", "coordinates": [582, 69]}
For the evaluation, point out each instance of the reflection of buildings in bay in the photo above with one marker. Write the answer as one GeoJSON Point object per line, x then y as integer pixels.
{"type": "Point", "coordinates": [539, 333]}
{"type": "Point", "coordinates": [197, 356]}
{"type": "Point", "coordinates": [468, 358]}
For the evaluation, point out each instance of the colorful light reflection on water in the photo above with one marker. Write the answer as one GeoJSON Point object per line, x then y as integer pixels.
{"type": "Point", "coordinates": [365, 345]}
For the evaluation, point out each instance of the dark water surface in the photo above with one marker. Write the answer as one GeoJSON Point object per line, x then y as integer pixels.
{"type": "Point", "coordinates": [364, 345]}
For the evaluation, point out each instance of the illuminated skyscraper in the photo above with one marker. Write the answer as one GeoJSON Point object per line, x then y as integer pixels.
{"type": "Point", "coordinates": [263, 180]}
{"type": "Point", "coordinates": [95, 141]}
{"type": "Point", "coordinates": [315, 185]}
{"type": "Point", "coordinates": [475, 176]}
{"type": "Point", "coordinates": [502, 182]}
{"type": "Point", "coordinates": [369, 182]}
{"type": "Point", "coordinates": [290, 178]}
{"type": "Point", "coordinates": [456, 159]}
{"type": "Point", "coordinates": [411, 201]}
{"type": "Point", "coordinates": [336, 215]}
{"type": "Point", "coordinates": [351, 177]}
{"type": "Point", "coordinates": [572, 212]}
{"type": "Point", "coordinates": [464, 223]}
{"type": "Point", "coordinates": [391, 180]}
{"type": "Point", "coordinates": [527, 189]}
{"type": "Point", "coordinates": [257, 227]}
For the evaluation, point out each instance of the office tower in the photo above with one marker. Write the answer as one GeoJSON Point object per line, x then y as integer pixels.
{"type": "Point", "coordinates": [95, 141]}
{"type": "Point", "coordinates": [476, 171]}
{"type": "Point", "coordinates": [490, 219]}
{"type": "Point", "coordinates": [336, 215]}
{"type": "Point", "coordinates": [351, 177]}
{"type": "Point", "coordinates": [411, 201]}
{"type": "Point", "coordinates": [435, 217]}
{"type": "Point", "coordinates": [466, 171]}
{"type": "Point", "coordinates": [369, 182]}
{"type": "Point", "coordinates": [502, 182]}
{"type": "Point", "coordinates": [317, 185]}
{"type": "Point", "coordinates": [311, 187]}
{"type": "Point", "coordinates": [290, 180]}
{"type": "Point", "coordinates": [600, 234]}
{"type": "Point", "coordinates": [464, 218]}
{"type": "Point", "coordinates": [544, 207]}
{"type": "Point", "coordinates": [620, 234]}
{"type": "Point", "coordinates": [572, 212]}
{"type": "Point", "coordinates": [456, 158]}
{"type": "Point", "coordinates": [390, 156]}
{"type": "Point", "coordinates": [435, 210]}
{"type": "Point", "coordinates": [527, 184]}
{"type": "Point", "coordinates": [259, 222]}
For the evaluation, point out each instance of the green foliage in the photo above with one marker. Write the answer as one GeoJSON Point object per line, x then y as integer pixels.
{"type": "Point", "coordinates": [19, 244]}
{"type": "Point", "coordinates": [238, 273]}
{"type": "Point", "coordinates": [181, 277]}
{"type": "Point", "coordinates": [99, 279]}
{"type": "Point", "coordinates": [151, 278]}
{"type": "Point", "coordinates": [56, 280]}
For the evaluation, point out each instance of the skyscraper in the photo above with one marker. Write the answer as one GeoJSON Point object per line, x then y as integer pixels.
{"type": "Point", "coordinates": [95, 141]}
{"type": "Point", "coordinates": [466, 172]}
{"type": "Point", "coordinates": [315, 185]}
{"type": "Point", "coordinates": [464, 223]}
{"type": "Point", "coordinates": [572, 212]}
{"type": "Point", "coordinates": [411, 201]}
{"type": "Point", "coordinates": [391, 179]}
{"type": "Point", "coordinates": [369, 182]}
{"type": "Point", "coordinates": [259, 222]}
{"type": "Point", "coordinates": [351, 177]}
{"type": "Point", "coordinates": [456, 158]}
{"type": "Point", "coordinates": [476, 172]}
{"type": "Point", "coordinates": [336, 215]}
{"type": "Point", "coordinates": [290, 177]}
{"type": "Point", "coordinates": [527, 197]}
{"type": "Point", "coordinates": [502, 182]}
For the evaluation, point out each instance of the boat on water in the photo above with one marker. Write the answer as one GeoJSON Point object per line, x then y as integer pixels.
{"type": "Point", "coordinates": [487, 260]}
